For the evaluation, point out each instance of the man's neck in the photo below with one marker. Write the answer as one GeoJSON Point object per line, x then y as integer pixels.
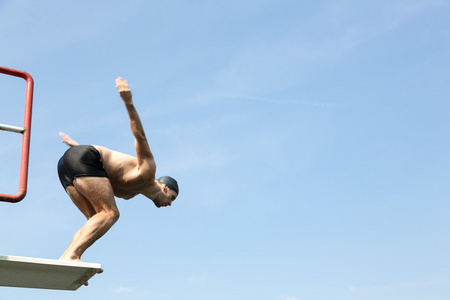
{"type": "Point", "coordinates": [152, 191]}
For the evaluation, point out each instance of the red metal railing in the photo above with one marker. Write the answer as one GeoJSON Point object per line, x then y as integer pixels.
{"type": "Point", "coordinates": [25, 131]}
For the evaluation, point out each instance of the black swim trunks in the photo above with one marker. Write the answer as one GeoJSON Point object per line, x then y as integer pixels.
{"type": "Point", "coordinates": [80, 161]}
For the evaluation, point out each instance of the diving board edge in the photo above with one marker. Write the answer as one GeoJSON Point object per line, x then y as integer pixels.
{"type": "Point", "coordinates": [27, 272]}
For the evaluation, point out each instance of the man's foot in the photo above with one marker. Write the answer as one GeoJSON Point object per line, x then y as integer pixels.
{"type": "Point", "coordinates": [70, 258]}
{"type": "Point", "coordinates": [79, 260]}
{"type": "Point", "coordinates": [98, 272]}
{"type": "Point", "coordinates": [76, 260]}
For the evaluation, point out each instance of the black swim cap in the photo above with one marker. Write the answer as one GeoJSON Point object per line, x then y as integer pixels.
{"type": "Point", "coordinates": [170, 182]}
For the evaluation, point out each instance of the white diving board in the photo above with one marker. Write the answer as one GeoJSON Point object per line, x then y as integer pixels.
{"type": "Point", "coordinates": [38, 273]}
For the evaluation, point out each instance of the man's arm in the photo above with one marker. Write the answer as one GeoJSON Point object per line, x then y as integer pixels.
{"type": "Point", "coordinates": [141, 144]}
{"type": "Point", "coordinates": [68, 140]}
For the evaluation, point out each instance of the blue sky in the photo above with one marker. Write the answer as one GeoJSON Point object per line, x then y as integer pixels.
{"type": "Point", "coordinates": [309, 139]}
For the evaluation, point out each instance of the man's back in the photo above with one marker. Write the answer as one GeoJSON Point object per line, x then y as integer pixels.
{"type": "Point", "coordinates": [127, 178]}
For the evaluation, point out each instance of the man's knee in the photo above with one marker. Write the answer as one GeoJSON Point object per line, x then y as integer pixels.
{"type": "Point", "coordinates": [113, 215]}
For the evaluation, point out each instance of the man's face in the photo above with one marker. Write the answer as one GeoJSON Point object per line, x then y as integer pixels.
{"type": "Point", "coordinates": [167, 197]}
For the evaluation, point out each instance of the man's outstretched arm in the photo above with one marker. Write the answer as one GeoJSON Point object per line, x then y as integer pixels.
{"type": "Point", "coordinates": [68, 140]}
{"type": "Point", "coordinates": [141, 144]}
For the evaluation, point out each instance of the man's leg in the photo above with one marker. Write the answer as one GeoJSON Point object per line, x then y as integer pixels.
{"type": "Point", "coordinates": [94, 196]}
{"type": "Point", "coordinates": [85, 207]}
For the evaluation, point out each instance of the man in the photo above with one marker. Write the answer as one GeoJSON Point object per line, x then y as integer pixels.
{"type": "Point", "coordinates": [93, 175]}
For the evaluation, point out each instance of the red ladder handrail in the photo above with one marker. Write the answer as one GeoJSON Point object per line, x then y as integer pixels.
{"type": "Point", "coordinates": [23, 179]}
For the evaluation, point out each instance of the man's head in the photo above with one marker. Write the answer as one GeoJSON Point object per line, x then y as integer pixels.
{"type": "Point", "coordinates": [169, 191]}
{"type": "Point", "coordinates": [170, 183]}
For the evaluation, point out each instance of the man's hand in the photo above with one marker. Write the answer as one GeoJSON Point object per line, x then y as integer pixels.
{"type": "Point", "coordinates": [68, 140]}
{"type": "Point", "coordinates": [124, 89]}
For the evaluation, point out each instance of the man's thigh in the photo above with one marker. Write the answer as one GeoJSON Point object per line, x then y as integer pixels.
{"type": "Point", "coordinates": [98, 191]}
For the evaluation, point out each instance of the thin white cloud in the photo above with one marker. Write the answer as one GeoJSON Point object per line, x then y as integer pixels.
{"type": "Point", "coordinates": [121, 290]}
{"type": "Point", "coordinates": [398, 286]}
{"type": "Point", "coordinates": [197, 278]}
{"type": "Point", "coordinates": [278, 100]}
{"type": "Point", "coordinates": [62, 29]}
{"type": "Point", "coordinates": [288, 298]}
{"type": "Point", "coordinates": [311, 47]}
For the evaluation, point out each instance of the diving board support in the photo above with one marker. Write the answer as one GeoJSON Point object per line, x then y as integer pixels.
{"type": "Point", "coordinates": [39, 273]}
{"type": "Point", "coordinates": [25, 131]}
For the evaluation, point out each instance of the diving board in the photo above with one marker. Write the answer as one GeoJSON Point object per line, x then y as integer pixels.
{"type": "Point", "coordinates": [38, 273]}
